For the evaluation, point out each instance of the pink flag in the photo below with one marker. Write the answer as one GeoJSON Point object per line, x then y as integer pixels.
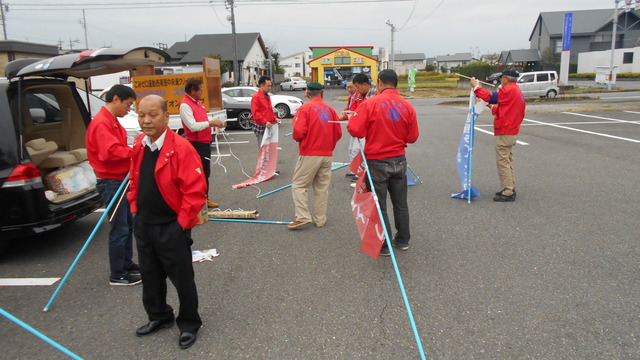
{"type": "Point", "coordinates": [365, 213]}
{"type": "Point", "coordinates": [267, 159]}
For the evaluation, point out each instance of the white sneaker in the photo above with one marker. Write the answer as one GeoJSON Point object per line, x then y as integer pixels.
{"type": "Point", "coordinates": [353, 185]}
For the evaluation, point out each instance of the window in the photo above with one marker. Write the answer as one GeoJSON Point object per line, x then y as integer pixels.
{"type": "Point", "coordinates": [342, 61]}
{"type": "Point", "coordinates": [627, 58]}
{"type": "Point", "coordinates": [297, 65]}
{"type": "Point", "coordinates": [526, 78]}
{"type": "Point", "coordinates": [43, 108]}
{"type": "Point", "coordinates": [543, 77]}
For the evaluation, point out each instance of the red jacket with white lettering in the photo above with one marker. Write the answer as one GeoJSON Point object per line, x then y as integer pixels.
{"type": "Point", "coordinates": [313, 130]}
{"type": "Point", "coordinates": [389, 123]}
{"type": "Point", "coordinates": [179, 177]}
{"type": "Point", "coordinates": [261, 109]}
{"type": "Point", "coordinates": [509, 111]}
{"type": "Point", "coordinates": [200, 115]}
{"type": "Point", "coordinates": [107, 149]}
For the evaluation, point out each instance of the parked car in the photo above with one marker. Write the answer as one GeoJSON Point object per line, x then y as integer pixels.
{"type": "Point", "coordinates": [293, 83]}
{"type": "Point", "coordinates": [494, 78]}
{"type": "Point", "coordinates": [539, 83]}
{"type": "Point", "coordinates": [43, 121]}
{"type": "Point", "coordinates": [238, 110]}
{"type": "Point", "coordinates": [283, 105]}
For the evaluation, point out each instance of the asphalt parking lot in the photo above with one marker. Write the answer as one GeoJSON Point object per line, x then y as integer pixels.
{"type": "Point", "coordinates": [554, 275]}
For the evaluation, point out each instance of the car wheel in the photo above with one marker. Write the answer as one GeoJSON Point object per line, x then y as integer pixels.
{"type": "Point", "coordinates": [290, 87]}
{"type": "Point", "coordinates": [281, 88]}
{"type": "Point", "coordinates": [244, 120]}
{"type": "Point", "coordinates": [282, 111]}
{"type": "Point", "coordinates": [551, 94]}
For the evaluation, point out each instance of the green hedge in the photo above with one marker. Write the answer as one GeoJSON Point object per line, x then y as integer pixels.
{"type": "Point", "coordinates": [592, 76]}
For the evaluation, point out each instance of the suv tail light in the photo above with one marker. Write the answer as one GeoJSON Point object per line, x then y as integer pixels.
{"type": "Point", "coordinates": [23, 174]}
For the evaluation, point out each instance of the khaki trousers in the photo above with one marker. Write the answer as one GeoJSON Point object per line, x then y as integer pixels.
{"type": "Point", "coordinates": [504, 160]}
{"type": "Point", "coordinates": [312, 172]}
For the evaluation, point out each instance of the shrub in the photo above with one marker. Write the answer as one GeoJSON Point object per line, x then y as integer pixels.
{"type": "Point", "coordinates": [479, 70]}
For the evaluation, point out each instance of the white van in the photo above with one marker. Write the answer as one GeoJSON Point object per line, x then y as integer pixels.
{"type": "Point", "coordinates": [539, 83]}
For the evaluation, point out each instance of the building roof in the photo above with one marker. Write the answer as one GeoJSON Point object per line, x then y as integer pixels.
{"type": "Point", "coordinates": [28, 47]}
{"type": "Point", "coordinates": [523, 55]}
{"type": "Point", "coordinates": [200, 46]}
{"type": "Point", "coordinates": [455, 57]}
{"type": "Point", "coordinates": [584, 22]}
{"type": "Point", "coordinates": [406, 57]}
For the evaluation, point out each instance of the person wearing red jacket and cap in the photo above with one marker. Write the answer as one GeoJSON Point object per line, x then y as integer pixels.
{"type": "Point", "coordinates": [167, 193]}
{"type": "Point", "coordinates": [389, 123]}
{"type": "Point", "coordinates": [508, 107]}
{"type": "Point", "coordinates": [316, 129]}
{"type": "Point", "coordinates": [110, 156]}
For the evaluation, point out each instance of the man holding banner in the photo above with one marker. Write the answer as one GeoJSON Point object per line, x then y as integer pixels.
{"type": "Point", "coordinates": [262, 110]}
{"type": "Point", "coordinates": [509, 112]}
{"type": "Point", "coordinates": [389, 123]}
{"type": "Point", "coordinates": [317, 131]}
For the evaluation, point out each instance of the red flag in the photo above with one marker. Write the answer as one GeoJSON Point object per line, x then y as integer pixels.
{"type": "Point", "coordinates": [365, 213]}
{"type": "Point", "coordinates": [267, 160]}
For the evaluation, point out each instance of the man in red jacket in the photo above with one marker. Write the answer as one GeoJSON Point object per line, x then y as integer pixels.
{"type": "Point", "coordinates": [167, 193]}
{"type": "Point", "coordinates": [110, 157]}
{"type": "Point", "coordinates": [389, 123]}
{"type": "Point", "coordinates": [197, 126]}
{"type": "Point", "coordinates": [317, 131]}
{"type": "Point", "coordinates": [262, 110]}
{"type": "Point", "coordinates": [509, 111]}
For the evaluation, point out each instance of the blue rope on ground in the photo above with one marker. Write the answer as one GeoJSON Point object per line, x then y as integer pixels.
{"type": "Point", "coordinates": [86, 244]}
{"type": "Point", "coordinates": [287, 186]}
{"type": "Point", "coordinates": [393, 257]}
{"type": "Point", "coordinates": [252, 221]}
{"type": "Point", "coordinates": [39, 334]}
{"type": "Point", "coordinates": [414, 174]}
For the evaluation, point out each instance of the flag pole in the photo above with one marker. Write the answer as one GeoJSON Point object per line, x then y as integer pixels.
{"type": "Point", "coordinates": [471, 133]}
{"type": "Point", "coordinates": [393, 257]}
{"type": "Point", "coordinates": [86, 244]}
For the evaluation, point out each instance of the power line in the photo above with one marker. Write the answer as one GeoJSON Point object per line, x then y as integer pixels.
{"type": "Point", "coordinates": [428, 15]}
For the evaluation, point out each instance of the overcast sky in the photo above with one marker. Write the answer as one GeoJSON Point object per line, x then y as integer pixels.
{"type": "Point", "coordinates": [432, 27]}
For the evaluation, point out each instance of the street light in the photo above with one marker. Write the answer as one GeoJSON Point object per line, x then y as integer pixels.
{"type": "Point", "coordinates": [626, 7]}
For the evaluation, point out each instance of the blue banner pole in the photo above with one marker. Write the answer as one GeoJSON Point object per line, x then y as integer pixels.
{"type": "Point", "coordinates": [86, 244]}
{"type": "Point", "coordinates": [393, 256]}
{"type": "Point", "coordinates": [471, 133]}
{"type": "Point", "coordinates": [39, 334]}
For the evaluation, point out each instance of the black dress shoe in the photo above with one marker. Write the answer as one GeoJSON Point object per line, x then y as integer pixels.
{"type": "Point", "coordinates": [187, 339]}
{"type": "Point", "coordinates": [153, 326]}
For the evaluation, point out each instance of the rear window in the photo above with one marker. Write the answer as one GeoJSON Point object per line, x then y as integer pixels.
{"type": "Point", "coordinates": [43, 108]}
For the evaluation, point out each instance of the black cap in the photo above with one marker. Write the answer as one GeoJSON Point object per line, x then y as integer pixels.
{"type": "Point", "coordinates": [511, 72]}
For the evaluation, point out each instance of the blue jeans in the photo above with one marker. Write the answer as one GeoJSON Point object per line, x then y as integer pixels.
{"type": "Point", "coordinates": [390, 176]}
{"type": "Point", "coordinates": [121, 233]}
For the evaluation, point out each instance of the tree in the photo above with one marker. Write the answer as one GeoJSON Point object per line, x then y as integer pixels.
{"type": "Point", "coordinates": [550, 60]}
{"type": "Point", "coordinates": [276, 68]}
{"type": "Point", "coordinates": [225, 66]}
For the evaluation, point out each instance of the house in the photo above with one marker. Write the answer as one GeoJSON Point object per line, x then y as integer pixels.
{"type": "Point", "coordinates": [524, 60]}
{"type": "Point", "coordinates": [11, 50]}
{"type": "Point", "coordinates": [444, 63]}
{"type": "Point", "coordinates": [296, 64]}
{"type": "Point", "coordinates": [591, 31]}
{"type": "Point", "coordinates": [331, 65]}
{"type": "Point", "coordinates": [402, 63]}
{"type": "Point", "coordinates": [252, 54]}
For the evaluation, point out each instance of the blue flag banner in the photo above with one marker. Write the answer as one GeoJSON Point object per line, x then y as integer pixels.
{"type": "Point", "coordinates": [465, 149]}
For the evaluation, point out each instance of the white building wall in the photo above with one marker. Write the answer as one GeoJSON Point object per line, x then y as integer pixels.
{"type": "Point", "coordinates": [296, 64]}
{"type": "Point", "coordinates": [588, 61]}
{"type": "Point", "coordinates": [252, 64]}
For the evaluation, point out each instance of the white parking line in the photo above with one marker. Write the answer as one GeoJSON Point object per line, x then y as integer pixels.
{"type": "Point", "coordinates": [233, 142]}
{"type": "Point", "coordinates": [28, 281]}
{"type": "Point", "coordinates": [490, 133]}
{"type": "Point", "coordinates": [603, 118]}
{"type": "Point", "coordinates": [575, 123]}
{"type": "Point", "coordinates": [619, 97]}
{"type": "Point", "coordinates": [583, 131]}
{"type": "Point", "coordinates": [632, 112]}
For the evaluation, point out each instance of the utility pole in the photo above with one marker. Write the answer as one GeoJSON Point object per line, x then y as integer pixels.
{"type": "Point", "coordinates": [71, 42]}
{"type": "Point", "coordinates": [3, 9]}
{"type": "Point", "coordinates": [232, 18]}
{"type": "Point", "coordinates": [83, 22]}
{"type": "Point", "coordinates": [392, 54]}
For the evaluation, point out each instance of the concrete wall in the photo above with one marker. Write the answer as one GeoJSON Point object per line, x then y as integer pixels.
{"type": "Point", "coordinates": [588, 61]}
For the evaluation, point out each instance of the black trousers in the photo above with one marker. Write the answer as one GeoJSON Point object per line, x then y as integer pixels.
{"type": "Point", "coordinates": [164, 250]}
{"type": "Point", "coordinates": [204, 150]}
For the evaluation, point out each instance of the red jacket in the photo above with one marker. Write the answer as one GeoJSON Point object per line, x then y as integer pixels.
{"type": "Point", "coordinates": [389, 123]}
{"type": "Point", "coordinates": [510, 109]}
{"type": "Point", "coordinates": [179, 176]}
{"type": "Point", "coordinates": [200, 115]}
{"type": "Point", "coordinates": [316, 136]}
{"type": "Point", "coordinates": [107, 148]}
{"type": "Point", "coordinates": [261, 108]}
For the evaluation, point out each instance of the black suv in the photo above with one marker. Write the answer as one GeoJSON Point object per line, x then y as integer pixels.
{"type": "Point", "coordinates": [43, 122]}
